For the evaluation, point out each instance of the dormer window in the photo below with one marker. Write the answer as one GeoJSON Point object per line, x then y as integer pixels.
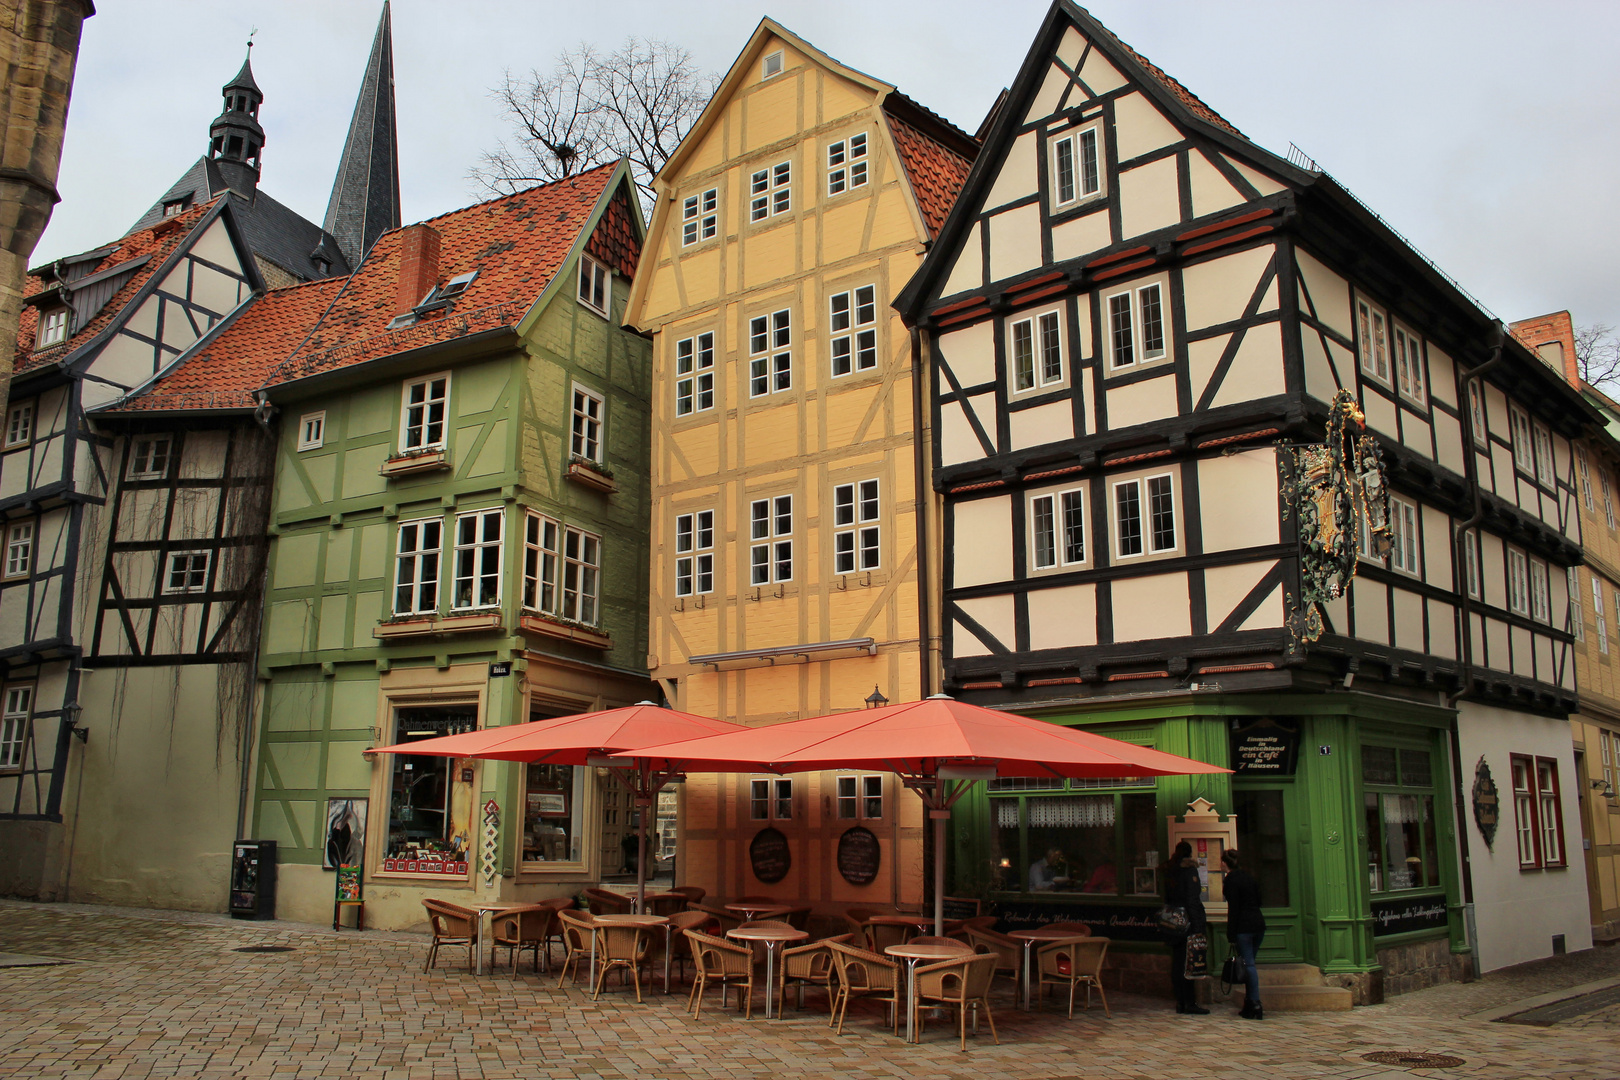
{"type": "Point", "coordinates": [175, 207]}
{"type": "Point", "coordinates": [456, 286]}
{"type": "Point", "coordinates": [53, 324]}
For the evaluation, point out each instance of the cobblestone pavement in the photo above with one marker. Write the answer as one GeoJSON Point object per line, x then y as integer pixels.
{"type": "Point", "coordinates": [155, 994]}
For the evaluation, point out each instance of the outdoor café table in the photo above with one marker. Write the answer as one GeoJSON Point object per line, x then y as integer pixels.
{"type": "Point", "coordinates": [772, 936]}
{"type": "Point", "coordinates": [478, 928]}
{"type": "Point", "coordinates": [911, 954]}
{"type": "Point", "coordinates": [1029, 938]}
{"type": "Point", "coordinates": [923, 924]}
{"type": "Point", "coordinates": [649, 921]}
{"type": "Point", "coordinates": [758, 910]}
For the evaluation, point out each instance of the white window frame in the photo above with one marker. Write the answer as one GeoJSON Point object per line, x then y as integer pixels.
{"type": "Point", "coordinates": [694, 374]}
{"type": "Point", "coordinates": [474, 556]}
{"type": "Point", "coordinates": [1600, 615]}
{"type": "Point", "coordinates": [312, 431]}
{"type": "Point", "coordinates": [1524, 454]}
{"type": "Point", "coordinates": [145, 453]}
{"type": "Point", "coordinates": [1540, 592]}
{"type": "Point", "coordinates": [1518, 570]}
{"type": "Point", "coordinates": [186, 572]}
{"type": "Point", "coordinates": [425, 426]}
{"type": "Point", "coordinates": [595, 285]}
{"type": "Point", "coordinates": [852, 330]}
{"type": "Point", "coordinates": [1608, 496]}
{"type": "Point", "coordinates": [1476, 406]}
{"type": "Point", "coordinates": [1034, 341]}
{"type": "Point", "coordinates": [847, 165]}
{"type": "Point", "coordinates": [1063, 505]}
{"type": "Point", "coordinates": [1147, 487]}
{"type": "Point", "coordinates": [859, 798]}
{"type": "Point", "coordinates": [770, 799]}
{"type": "Point", "coordinates": [770, 353]}
{"type": "Point", "coordinates": [16, 714]}
{"type": "Point", "coordinates": [1577, 613]}
{"type": "Point", "coordinates": [582, 576]}
{"type": "Point", "coordinates": [1372, 341]}
{"type": "Point", "coordinates": [770, 191]}
{"type": "Point", "coordinates": [1403, 520]}
{"type": "Point", "coordinates": [770, 534]}
{"type": "Point", "coordinates": [20, 545]}
{"type": "Point", "coordinates": [772, 65]}
{"type": "Point", "coordinates": [1471, 579]}
{"type": "Point", "coordinates": [1408, 356]}
{"type": "Point", "coordinates": [1546, 467]}
{"type": "Point", "coordinates": [587, 419]}
{"type": "Point", "coordinates": [20, 425]}
{"type": "Point", "coordinates": [694, 553]}
{"type": "Point", "coordinates": [542, 557]}
{"type": "Point", "coordinates": [425, 564]}
{"type": "Point", "coordinates": [857, 526]}
{"type": "Point", "coordinates": [1077, 141]}
{"type": "Point", "coordinates": [700, 217]}
{"type": "Point", "coordinates": [1136, 327]}
{"type": "Point", "coordinates": [53, 327]}
{"type": "Point", "coordinates": [1583, 469]}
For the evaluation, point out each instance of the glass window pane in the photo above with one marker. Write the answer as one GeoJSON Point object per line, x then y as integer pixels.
{"type": "Point", "coordinates": [429, 809]}
{"type": "Point", "coordinates": [1263, 843]}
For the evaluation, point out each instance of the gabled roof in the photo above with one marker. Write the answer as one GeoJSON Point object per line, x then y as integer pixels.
{"type": "Point", "coordinates": [936, 163]}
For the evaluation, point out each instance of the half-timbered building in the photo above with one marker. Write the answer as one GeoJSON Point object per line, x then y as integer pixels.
{"type": "Point", "coordinates": [1131, 315]}
{"type": "Point", "coordinates": [787, 578]}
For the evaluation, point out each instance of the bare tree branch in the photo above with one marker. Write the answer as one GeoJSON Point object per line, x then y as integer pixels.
{"type": "Point", "coordinates": [1597, 350]}
{"type": "Point", "coordinates": [637, 102]}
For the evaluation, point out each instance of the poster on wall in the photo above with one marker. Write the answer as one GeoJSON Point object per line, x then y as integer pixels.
{"type": "Point", "coordinates": [345, 833]}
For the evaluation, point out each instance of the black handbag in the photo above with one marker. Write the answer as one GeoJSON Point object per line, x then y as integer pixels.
{"type": "Point", "coordinates": [1232, 972]}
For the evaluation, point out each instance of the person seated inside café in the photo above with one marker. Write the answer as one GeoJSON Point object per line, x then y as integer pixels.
{"type": "Point", "coordinates": [1047, 872]}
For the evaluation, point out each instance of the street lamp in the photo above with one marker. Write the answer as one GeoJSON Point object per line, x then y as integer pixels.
{"type": "Point", "coordinates": [876, 700]}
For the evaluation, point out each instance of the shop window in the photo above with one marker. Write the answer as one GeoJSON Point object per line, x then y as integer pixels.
{"type": "Point", "coordinates": [19, 703]}
{"type": "Point", "coordinates": [423, 418]}
{"type": "Point", "coordinates": [860, 797]}
{"type": "Point", "coordinates": [700, 217]}
{"type": "Point", "coordinates": [595, 285]}
{"type": "Point", "coordinates": [770, 557]}
{"type": "Point", "coordinates": [20, 424]}
{"type": "Point", "coordinates": [541, 557]}
{"type": "Point", "coordinates": [149, 458]}
{"type": "Point", "coordinates": [430, 808]}
{"type": "Point", "coordinates": [416, 567]}
{"type": "Point", "coordinates": [694, 553]}
{"type": "Point", "coordinates": [846, 164]}
{"type": "Point", "coordinates": [694, 374]}
{"type": "Point", "coordinates": [478, 559]}
{"type": "Point", "coordinates": [587, 424]}
{"type": "Point", "coordinates": [857, 535]}
{"type": "Point", "coordinates": [553, 813]}
{"type": "Point", "coordinates": [770, 800]}
{"type": "Point", "coordinates": [1071, 843]}
{"type": "Point", "coordinates": [1537, 812]}
{"type": "Point", "coordinates": [20, 549]}
{"type": "Point", "coordinates": [1403, 850]}
{"type": "Point", "coordinates": [582, 570]}
{"type": "Point", "coordinates": [854, 330]}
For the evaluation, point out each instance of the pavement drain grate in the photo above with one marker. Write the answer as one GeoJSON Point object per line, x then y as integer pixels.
{"type": "Point", "coordinates": [264, 948]}
{"type": "Point", "coordinates": [1568, 1009]}
{"type": "Point", "coordinates": [1413, 1059]}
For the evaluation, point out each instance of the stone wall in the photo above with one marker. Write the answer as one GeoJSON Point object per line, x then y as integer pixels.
{"type": "Point", "coordinates": [1421, 964]}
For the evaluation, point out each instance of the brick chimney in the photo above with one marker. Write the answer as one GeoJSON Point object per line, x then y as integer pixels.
{"type": "Point", "coordinates": [1551, 337]}
{"type": "Point", "coordinates": [418, 265]}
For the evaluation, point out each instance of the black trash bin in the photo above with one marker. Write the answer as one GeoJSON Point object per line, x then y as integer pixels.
{"type": "Point", "coordinates": [253, 879]}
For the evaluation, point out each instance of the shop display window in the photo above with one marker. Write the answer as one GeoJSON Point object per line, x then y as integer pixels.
{"type": "Point", "coordinates": [553, 813]}
{"type": "Point", "coordinates": [1403, 851]}
{"type": "Point", "coordinates": [1068, 843]}
{"type": "Point", "coordinates": [430, 806]}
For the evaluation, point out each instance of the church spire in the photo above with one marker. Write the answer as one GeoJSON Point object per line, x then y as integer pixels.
{"type": "Point", "coordinates": [235, 137]}
{"type": "Point", "coordinates": [365, 195]}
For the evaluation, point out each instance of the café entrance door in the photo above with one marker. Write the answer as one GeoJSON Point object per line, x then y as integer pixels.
{"type": "Point", "coordinates": [1264, 815]}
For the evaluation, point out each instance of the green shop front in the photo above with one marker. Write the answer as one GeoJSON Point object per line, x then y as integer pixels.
{"type": "Point", "coordinates": [1342, 815]}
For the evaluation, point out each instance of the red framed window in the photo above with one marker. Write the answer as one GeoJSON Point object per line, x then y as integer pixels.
{"type": "Point", "coordinates": [1538, 812]}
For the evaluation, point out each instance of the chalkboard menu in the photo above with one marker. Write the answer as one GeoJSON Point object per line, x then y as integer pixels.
{"type": "Point", "coordinates": [770, 855]}
{"type": "Point", "coordinates": [1266, 747]}
{"type": "Point", "coordinates": [957, 907]}
{"type": "Point", "coordinates": [859, 856]}
{"type": "Point", "coordinates": [1405, 916]}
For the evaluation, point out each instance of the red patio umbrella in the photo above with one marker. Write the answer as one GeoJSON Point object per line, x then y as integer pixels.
{"type": "Point", "coordinates": [609, 738]}
{"type": "Point", "coordinates": [928, 743]}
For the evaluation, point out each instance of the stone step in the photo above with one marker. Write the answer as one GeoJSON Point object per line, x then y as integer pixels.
{"type": "Point", "coordinates": [1294, 998]}
{"type": "Point", "coordinates": [1289, 975]}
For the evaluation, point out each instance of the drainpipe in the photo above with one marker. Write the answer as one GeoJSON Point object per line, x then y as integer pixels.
{"type": "Point", "coordinates": [924, 491]}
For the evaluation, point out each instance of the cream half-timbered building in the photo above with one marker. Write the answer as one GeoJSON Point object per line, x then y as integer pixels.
{"type": "Point", "coordinates": [787, 579]}
{"type": "Point", "coordinates": [1129, 307]}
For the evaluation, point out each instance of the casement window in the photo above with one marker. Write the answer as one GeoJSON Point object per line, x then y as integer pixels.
{"type": "Point", "coordinates": [1145, 516]}
{"type": "Point", "coordinates": [853, 330]}
{"type": "Point", "coordinates": [478, 559]}
{"type": "Point", "coordinates": [1537, 812]}
{"type": "Point", "coordinates": [771, 67]}
{"type": "Point", "coordinates": [1470, 563]}
{"type": "Point", "coordinates": [1398, 800]}
{"type": "Point", "coordinates": [1518, 583]}
{"type": "Point", "coordinates": [1608, 497]}
{"type": "Point", "coordinates": [770, 531]}
{"type": "Point", "coordinates": [1476, 410]}
{"type": "Point", "coordinates": [1549, 812]}
{"type": "Point", "coordinates": [14, 724]}
{"type": "Point", "coordinates": [1373, 344]}
{"type": "Point", "coordinates": [1409, 363]}
{"type": "Point", "coordinates": [694, 374]}
{"type": "Point", "coordinates": [1076, 167]}
{"type": "Point", "coordinates": [582, 576]}
{"type": "Point", "coordinates": [1523, 453]}
{"type": "Point", "coordinates": [595, 285]}
{"type": "Point", "coordinates": [1583, 469]}
{"type": "Point", "coordinates": [187, 572]}
{"type": "Point", "coordinates": [1540, 604]}
{"type": "Point", "coordinates": [770, 353]}
{"type": "Point", "coordinates": [541, 556]}
{"type": "Point", "coordinates": [1403, 520]}
{"type": "Point", "coordinates": [770, 191]}
{"type": "Point", "coordinates": [1035, 348]}
{"type": "Point", "coordinates": [1136, 327]}
{"type": "Point", "coordinates": [1600, 615]}
{"type": "Point", "coordinates": [1577, 618]}
{"type": "Point", "coordinates": [53, 325]}
{"type": "Point", "coordinates": [416, 567]}
{"type": "Point", "coordinates": [1057, 529]}
{"type": "Point", "coordinates": [422, 425]}
{"type": "Point", "coordinates": [857, 534]}
{"type": "Point", "coordinates": [771, 800]}
{"type": "Point", "coordinates": [846, 164]}
{"type": "Point", "coordinates": [312, 430]}
{"type": "Point", "coordinates": [587, 424]}
{"type": "Point", "coordinates": [1544, 455]}
{"type": "Point", "coordinates": [20, 424]}
{"type": "Point", "coordinates": [1607, 742]}
{"type": "Point", "coordinates": [149, 458]}
{"type": "Point", "coordinates": [700, 216]}
{"type": "Point", "coordinates": [860, 797]}
{"type": "Point", "coordinates": [20, 549]}
{"type": "Point", "coordinates": [694, 553]}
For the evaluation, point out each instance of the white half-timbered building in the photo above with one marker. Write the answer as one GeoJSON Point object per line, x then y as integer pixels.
{"type": "Point", "coordinates": [1130, 307]}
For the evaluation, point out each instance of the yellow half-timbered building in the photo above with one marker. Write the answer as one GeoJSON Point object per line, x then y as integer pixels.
{"type": "Point", "coordinates": [786, 577]}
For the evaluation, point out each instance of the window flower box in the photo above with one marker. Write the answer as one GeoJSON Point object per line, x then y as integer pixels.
{"type": "Point", "coordinates": [565, 630]}
{"type": "Point", "coordinates": [412, 464]}
{"type": "Point", "coordinates": [419, 625]}
{"type": "Point", "coordinates": [592, 475]}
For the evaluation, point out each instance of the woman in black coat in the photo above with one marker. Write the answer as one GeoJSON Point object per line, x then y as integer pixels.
{"type": "Point", "coordinates": [1247, 926]}
{"type": "Point", "coordinates": [1184, 889]}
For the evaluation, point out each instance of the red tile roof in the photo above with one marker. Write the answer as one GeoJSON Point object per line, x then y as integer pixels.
{"type": "Point", "coordinates": [1191, 101]}
{"type": "Point", "coordinates": [158, 242]}
{"type": "Point", "coordinates": [936, 172]}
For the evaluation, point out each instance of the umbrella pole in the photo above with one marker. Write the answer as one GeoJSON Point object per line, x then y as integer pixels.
{"type": "Point", "coordinates": [940, 812]}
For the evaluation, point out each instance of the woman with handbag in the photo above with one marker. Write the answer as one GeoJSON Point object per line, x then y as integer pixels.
{"type": "Point", "coordinates": [1183, 890]}
{"type": "Point", "coordinates": [1247, 926]}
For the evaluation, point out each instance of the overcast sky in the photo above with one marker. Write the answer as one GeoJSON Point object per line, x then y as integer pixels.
{"type": "Point", "coordinates": [1484, 131]}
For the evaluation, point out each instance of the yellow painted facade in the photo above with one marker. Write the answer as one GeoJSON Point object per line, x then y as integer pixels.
{"type": "Point", "coordinates": [802, 448]}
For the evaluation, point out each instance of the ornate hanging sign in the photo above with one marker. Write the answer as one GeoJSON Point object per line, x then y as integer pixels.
{"type": "Point", "coordinates": [1487, 806]}
{"type": "Point", "coordinates": [1337, 493]}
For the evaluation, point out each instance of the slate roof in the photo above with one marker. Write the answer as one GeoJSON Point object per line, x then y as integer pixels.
{"type": "Point", "coordinates": [365, 192]}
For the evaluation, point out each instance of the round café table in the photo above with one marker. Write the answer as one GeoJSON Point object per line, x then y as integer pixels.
{"type": "Point", "coordinates": [1029, 938]}
{"type": "Point", "coordinates": [912, 955]}
{"type": "Point", "coordinates": [758, 909]}
{"type": "Point", "coordinates": [773, 937]}
{"type": "Point", "coordinates": [648, 921]}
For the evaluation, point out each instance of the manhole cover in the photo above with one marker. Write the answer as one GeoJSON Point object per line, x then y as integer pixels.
{"type": "Point", "coordinates": [264, 948]}
{"type": "Point", "coordinates": [1413, 1059]}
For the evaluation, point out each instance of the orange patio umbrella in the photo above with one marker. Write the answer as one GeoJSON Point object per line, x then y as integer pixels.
{"type": "Point", "coordinates": [610, 738]}
{"type": "Point", "coordinates": [927, 743]}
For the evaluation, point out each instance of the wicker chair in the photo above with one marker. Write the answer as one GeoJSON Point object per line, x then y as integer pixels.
{"type": "Point", "coordinates": [855, 918]}
{"type": "Point", "coordinates": [960, 984]}
{"type": "Point", "coordinates": [719, 918]}
{"type": "Point", "coordinates": [554, 934]}
{"type": "Point", "coordinates": [680, 947]}
{"type": "Point", "coordinates": [666, 905]}
{"type": "Point", "coordinates": [864, 974]}
{"type": "Point", "coordinates": [808, 965]}
{"type": "Point", "coordinates": [620, 948]}
{"type": "Point", "coordinates": [579, 927]}
{"type": "Point", "coordinates": [604, 902]}
{"type": "Point", "coordinates": [798, 917]}
{"type": "Point", "coordinates": [523, 928]}
{"type": "Point", "coordinates": [880, 936]}
{"type": "Point", "coordinates": [720, 961]}
{"type": "Point", "coordinates": [452, 925]}
{"type": "Point", "coordinates": [1009, 952]}
{"type": "Point", "coordinates": [693, 894]}
{"type": "Point", "coordinates": [1074, 961]}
